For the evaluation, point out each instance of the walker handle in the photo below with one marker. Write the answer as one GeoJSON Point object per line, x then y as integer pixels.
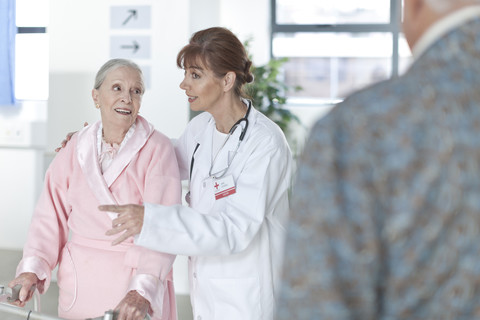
{"type": "Point", "coordinates": [15, 293]}
{"type": "Point", "coordinates": [112, 315]}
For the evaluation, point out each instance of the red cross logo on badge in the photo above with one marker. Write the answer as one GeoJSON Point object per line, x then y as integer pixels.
{"type": "Point", "coordinates": [224, 187]}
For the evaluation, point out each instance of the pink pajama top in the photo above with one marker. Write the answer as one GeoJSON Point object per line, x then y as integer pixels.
{"type": "Point", "coordinates": [68, 230]}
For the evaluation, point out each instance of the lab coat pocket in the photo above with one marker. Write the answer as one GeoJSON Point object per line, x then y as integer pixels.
{"type": "Point", "coordinates": [236, 298]}
{"type": "Point", "coordinates": [203, 198]}
{"type": "Point", "coordinates": [67, 281]}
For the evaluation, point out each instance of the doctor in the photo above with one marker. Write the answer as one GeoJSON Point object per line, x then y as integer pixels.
{"type": "Point", "coordinates": [239, 166]}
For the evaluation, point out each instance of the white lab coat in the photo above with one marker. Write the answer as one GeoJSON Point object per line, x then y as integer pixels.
{"type": "Point", "coordinates": [235, 243]}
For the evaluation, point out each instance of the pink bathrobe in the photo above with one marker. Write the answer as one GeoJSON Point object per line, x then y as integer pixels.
{"type": "Point", "coordinates": [68, 229]}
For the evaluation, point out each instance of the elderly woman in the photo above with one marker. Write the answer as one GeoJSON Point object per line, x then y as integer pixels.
{"type": "Point", "coordinates": [120, 159]}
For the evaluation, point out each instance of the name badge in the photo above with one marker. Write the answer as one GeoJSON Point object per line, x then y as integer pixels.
{"type": "Point", "coordinates": [223, 187]}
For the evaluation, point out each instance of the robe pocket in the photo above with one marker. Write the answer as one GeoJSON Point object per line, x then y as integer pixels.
{"type": "Point", "coordinates": [67, 281]}
{"type": "Point", "coordinates": [236, 298]}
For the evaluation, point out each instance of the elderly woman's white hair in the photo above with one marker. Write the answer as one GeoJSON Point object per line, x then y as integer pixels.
{"type": "Point", "coordinates": [445, 5]}
{"type": "Point", "coordinates": [113, 64]}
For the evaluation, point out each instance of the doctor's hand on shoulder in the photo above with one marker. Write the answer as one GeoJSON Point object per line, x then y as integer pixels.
{"type": "Point", "coordinates": [67, 138]}
{"type": "Point", "coordinates": [129, 221]}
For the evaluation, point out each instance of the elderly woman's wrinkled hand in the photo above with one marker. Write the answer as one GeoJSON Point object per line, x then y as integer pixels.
{"type": "Point", "coordinates": [132, 307]}
{"type": "Point", "coordinates": [29, 282]}
{"type": "Point", "coordinates": [129, 221]}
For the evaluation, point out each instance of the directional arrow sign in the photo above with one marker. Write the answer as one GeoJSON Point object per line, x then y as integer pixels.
{"type": "Point", "coordinates": [130, 17]}
{"type": "Point", "coordinates": [134, 46]}
{"type": "Point", "coordinates": [133, 14]}
{"type": "Point", "coordinates": [130, 47]}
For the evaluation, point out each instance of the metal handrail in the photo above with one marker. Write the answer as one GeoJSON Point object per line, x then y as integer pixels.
{"type": "Point", "coordinates": [36, 315]}
{"type": "Point", "coordinates": [32, 315]}
{"type": "Point", "coordinates": [27, 314]}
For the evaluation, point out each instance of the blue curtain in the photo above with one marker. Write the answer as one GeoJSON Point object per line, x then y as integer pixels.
{"type": "Point", "coordinates": [8, 29]}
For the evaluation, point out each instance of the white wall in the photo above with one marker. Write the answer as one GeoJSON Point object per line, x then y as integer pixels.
{"type": "Point", "coordinates": [249, 19]}
{"type": "Point", "coordinates": [79, 34]}
{"type": "Point", "coordinates": [19, 193]}
{"type": "Point", "coordinates": [80, 43]}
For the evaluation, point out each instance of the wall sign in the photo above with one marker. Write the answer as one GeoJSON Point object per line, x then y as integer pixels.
{"type": "Point", "coordinates": [130, 17]}
{"type": "Point", "coordinates": [130, 47]}
{"type": "Point", "coordinates": [130, 37]}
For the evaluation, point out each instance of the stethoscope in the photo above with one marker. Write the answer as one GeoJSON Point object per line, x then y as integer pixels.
{"type": "Point", "coordinates": [222, 173]}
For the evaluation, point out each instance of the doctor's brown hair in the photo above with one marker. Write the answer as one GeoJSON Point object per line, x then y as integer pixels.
{"type": "Point", "coordinates": [219, 50]}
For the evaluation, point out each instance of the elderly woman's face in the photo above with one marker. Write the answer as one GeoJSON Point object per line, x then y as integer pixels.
{"type": "Point", "coordinates": [119, 97]}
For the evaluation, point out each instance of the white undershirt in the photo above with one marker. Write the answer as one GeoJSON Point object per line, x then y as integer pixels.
{"type": "Point", "coordinates": [105, 157]}
{"type": "Point", "coordinates": [218, 139]}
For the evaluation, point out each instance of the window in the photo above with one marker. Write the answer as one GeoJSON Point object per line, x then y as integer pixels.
{"type": "Point", "coordinates": [337, 47]}
{"type": "Point", "coordinates": [31, 50]}
{"type": "Point", "coordinates": [7, 51]}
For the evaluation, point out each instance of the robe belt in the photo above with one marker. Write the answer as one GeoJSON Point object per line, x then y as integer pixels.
{"type": "Point", "coordinates": [132, 254]}
{"type": "Point", "coordinates": [131, 258]}
{"type": "Point", "coordinates": [99, 244]}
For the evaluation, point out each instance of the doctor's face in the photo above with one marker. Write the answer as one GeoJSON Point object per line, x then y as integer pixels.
{"type": "Point", "coordinates": [203, 88]}
{"type": "Point", "coordinates": [119, 97]}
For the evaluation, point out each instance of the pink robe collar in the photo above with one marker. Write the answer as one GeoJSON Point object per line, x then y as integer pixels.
{"type": "Point", "coordinates": [87, 156]}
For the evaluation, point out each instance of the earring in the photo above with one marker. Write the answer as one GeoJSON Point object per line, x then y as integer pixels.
{"type": "Point", "coordinates": [97, 106]}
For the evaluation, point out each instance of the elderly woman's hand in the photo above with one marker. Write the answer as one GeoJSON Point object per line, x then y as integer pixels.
{"type": "Point", "coordinates": [132, 307]}
{"type": "Point", "coordinates": [29, 283]}
{"type": "Point", "coordinates": [130, 220]}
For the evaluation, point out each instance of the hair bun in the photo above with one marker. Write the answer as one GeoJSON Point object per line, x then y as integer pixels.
{"type": "Point", "coordinates": [249, 78]}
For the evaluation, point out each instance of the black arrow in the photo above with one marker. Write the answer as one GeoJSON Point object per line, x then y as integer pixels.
{"type": "Point", "coordinates": [134, 46]}
{"type": "Point", "coordinates": [133, 14]}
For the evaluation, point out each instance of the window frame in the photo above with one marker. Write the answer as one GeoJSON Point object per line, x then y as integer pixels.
{"type": "Point", "coordinates": [19, 97]}
{"type": "Point", "coordinates": [393, 27]}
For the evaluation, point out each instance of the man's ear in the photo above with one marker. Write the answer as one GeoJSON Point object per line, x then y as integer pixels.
{"type": "Point", "coordinates": [229, 81]}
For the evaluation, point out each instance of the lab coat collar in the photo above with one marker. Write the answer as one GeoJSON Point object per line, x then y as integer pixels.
{"type": "Point", "coordinates": [202, 135]}
{"type": "Point", "coordinates": [204, 138]}
{"type": "Point", "coordinates": [88, 159]}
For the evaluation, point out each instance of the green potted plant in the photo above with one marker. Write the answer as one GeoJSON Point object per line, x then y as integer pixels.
{"type": "Point", "coordinates": [269, 93]}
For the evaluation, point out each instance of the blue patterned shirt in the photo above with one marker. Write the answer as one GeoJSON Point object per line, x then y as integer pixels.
{"type": "Point", "coordinates": [385, 218]}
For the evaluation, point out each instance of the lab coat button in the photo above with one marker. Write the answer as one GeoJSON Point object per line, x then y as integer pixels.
{"type": "Point", "coordinates": [195, 275]}
{"type": "Point", "coordinates": [199, 318]}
